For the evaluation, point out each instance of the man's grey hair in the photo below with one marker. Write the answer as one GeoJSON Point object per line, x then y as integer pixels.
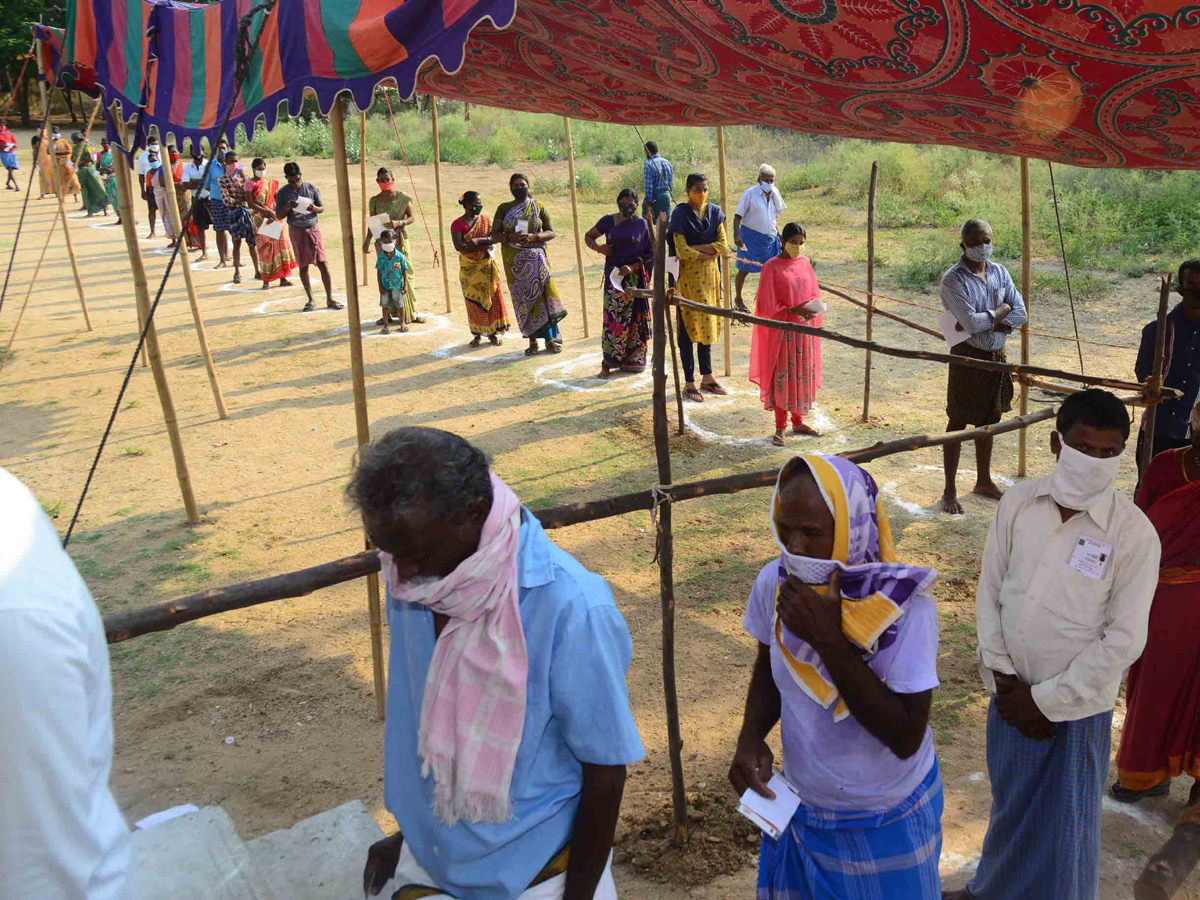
{"type": "Point", "coordinates": [971, 226]}
{"type": "Point", "coordinates": [418, 469]}
{"type": "Point", "coordinates": [764, 169]}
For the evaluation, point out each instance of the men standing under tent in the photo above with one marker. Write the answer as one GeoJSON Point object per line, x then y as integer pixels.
{"type": "Point", "coordinates": [217, 210]}
{"type": "Point", "coordinates": [754, 230]}
{"type": "Point", "coordinates": [299, 202]}
{"type": "Point", "coordinates": [508, 728]}
{"type": "Point", "coordinates": [658, 180]}
{"type": "Point", "coordinates": [232, 185]}
{"type": "Point", "coordinates": [987, 306]}
{"type": "Point", "coordinates": [142, 165]}
{"type": "Point", "coordinates": [1069, 571]}
{"type": "Point", "coordinates": [1181, 364]}
{"type": "Point", "coordinates": [8, 156]}
{"type": "Point", "coordinates": [193, 174]}
{"type": "Point", "coordinates": [62, 836]}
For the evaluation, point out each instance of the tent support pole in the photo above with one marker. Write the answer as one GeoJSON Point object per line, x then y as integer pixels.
{"type": "Point", "coordinates": [575, 221]}
{"type": "Point", "coordinates": [33, 279]}
{"type": "Point", "coordinates": [675, 370]}
{"type": "Point", "coordinates": [142, 295]}
{"type": "Point", "coordinates": [437, 183]}
{"type": "Point", "coordinates": [185, 264]}
{"type": "Point", "coordinates": [724, 263]}
{"type": "Point", "coordinates": [362, 424]}
{"type": "Point", "coordinates": [362, 178]}
{"type": "Point", "coordinates": [1026, 286]}
{"type": "Point", "coordinates": [1160, 347]}
{"type": "Point", "coordinates": [870, 285]}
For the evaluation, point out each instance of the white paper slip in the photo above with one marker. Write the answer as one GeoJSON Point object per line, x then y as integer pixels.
{"type": "Point", "coordinates": [1090, 557]}
{"type": "Point", "coordinates": [522, 226]}
{"type": "Point", "coordinates": [378, 223]}
{"type": "Point", "coordinates": [772, 816]}
{"type": "Point", "coordinates": [816, 307]}
{"type": "Point", "coordinates": [673, 266]}
{"type": "Point", "coordinates": [166, 815]}
{"type": "Point", "coordinates": [615, 279]}
{"type": "Point", "coordinates": [272, 229]}
{"type": "Point", "coordinates": [953, 336]}
{"type": "Point", "coordinates": [302, 204]}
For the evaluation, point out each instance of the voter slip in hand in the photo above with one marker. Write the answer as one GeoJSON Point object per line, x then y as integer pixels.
{"type": "Point", "coordinates": [772, 816]}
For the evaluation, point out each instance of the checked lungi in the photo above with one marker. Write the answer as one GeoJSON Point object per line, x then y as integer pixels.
{"type": "Point", "coordinates": [759, 248]}
{"type": "Point", "coordinates": [1043, 839]}
{"type": "Point", "coordinates": [858, 855]}
{"type": "Point", "coordinates": [976, 396]}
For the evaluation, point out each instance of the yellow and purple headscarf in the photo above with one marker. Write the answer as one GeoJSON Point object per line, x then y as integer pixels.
{"type": "Point", "coordinates": [875, 588]}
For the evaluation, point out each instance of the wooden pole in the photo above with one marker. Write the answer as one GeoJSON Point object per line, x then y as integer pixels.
{"type": "Point", "coordinates": [575, 221]}
{"type": "Point", "coordinates": [185, 264]}
{"type": "Point", "coordinates": [675, 368]}
{"type": "Point", "coordinates": [437, 183]}
{"type": "Point", "coordinates": [17, 324]}
{"type": "Point", "coordinates": [725, 283]}
{"type": "Point", "coordinates": [879, 312]}
{"type": "Point", "coordinates": [1160, 347]}
{"type": "Point", "coordinates": [142, 295]}
{"type": "Point", "coordinates": [62, 210]}
{"type": "Point", "coordinates": [1026, 283]}
{"type": "Point", "coordinates": [362, 178]}
{"type": "Point", "coordinates": [870, 285]}
{"type": "Point", "coordinates": [361, 422]}
{"type": "Point", "coordinates": [665, 538]}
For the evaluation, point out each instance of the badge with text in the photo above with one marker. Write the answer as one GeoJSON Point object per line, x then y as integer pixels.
{"type": "Point", "coordinates": [1090, 557]}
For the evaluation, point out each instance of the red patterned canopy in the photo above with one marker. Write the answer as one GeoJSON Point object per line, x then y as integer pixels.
{"type": "Point", "coordinates": [1107, 83]}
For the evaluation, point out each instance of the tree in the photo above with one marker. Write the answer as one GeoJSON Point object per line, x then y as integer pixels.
{"type": "Point", "coordinates": [16, 34]}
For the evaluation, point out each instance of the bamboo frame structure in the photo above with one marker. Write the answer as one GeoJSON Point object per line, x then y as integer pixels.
{"type": "Point", "coordinates": [12, 336]}
{"type": "Point", "coordinates": [725, 274]}
{"type": "Point", "coordinates": [142, 295]}
{"type": "Point", "coordinates": [361, 422]}
{"type": "Point", "coordinates": [1160, 347]}
{"type": "Point", "coordinates": [437, 183]}
{"type": "Point", "coordinates": [362, 181]}
{"type": "Point", "coordinates": [575, 222]}
{"type": "Point", "coordinates": [870, 285]}
{"type": "Point", "coordinates": [1026, 286]}
{"type": "Point", "coordinates": [185, 264]}
{"type": "Point", "coordinates": [887, 315]}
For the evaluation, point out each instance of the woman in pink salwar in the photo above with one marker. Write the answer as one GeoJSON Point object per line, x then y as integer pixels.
{"type": "Point", "coordinates": [787, 366]}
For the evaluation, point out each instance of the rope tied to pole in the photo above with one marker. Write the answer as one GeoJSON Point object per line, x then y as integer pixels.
{"type": "Point", "coordinates": [660, 494]}
{"type": "Point", "coordinates": [437, 262]}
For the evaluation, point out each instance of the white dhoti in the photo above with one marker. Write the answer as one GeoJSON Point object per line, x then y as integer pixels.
{"type": "Point", "coordinates": [409, 871]}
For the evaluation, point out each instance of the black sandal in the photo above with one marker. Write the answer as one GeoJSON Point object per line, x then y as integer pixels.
{"type": "Point", "coordinates": [1123, 794]}
{"type": "Point", "coordinates": [694, 395]}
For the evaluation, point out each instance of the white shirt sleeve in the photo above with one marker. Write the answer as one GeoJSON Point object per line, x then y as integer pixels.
{"type": "Point", "coordinates": [743, 204]}
{"type": "Point", "coordinates": [996, 552]}
{"type": "Point", "coordinates": [48, 846]}
{"type": "Point", "coordinates": [1122, 641]}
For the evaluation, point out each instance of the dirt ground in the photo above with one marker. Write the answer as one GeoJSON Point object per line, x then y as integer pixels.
{"type": "Point", "coordinates": [270, 711]}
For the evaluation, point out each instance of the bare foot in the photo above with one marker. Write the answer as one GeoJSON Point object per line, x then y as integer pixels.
{"type": "Point", "coordinates": [805, 429]}
{"type": "Point", "coordinates": [283, 282]}
{"type": "Point", "coordinates": [949, 504]}
{"type": "Point", "coordinates": [987, 489]}
{"type": "Point", "coordinates": [603, 373]}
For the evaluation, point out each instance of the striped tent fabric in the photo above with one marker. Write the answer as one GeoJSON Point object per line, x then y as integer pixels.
{"type": "Point", "coordinates": [49, 50]}
{"type": "Point", "coordinates": [1104, 83]}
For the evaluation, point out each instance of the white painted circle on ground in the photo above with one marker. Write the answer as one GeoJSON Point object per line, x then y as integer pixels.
{"type": "Point", "coordinates": [437, 323]}
{"type": "Point", "coordinates": [484, 353]}
{"type": "Point", "coordinates": [562, 375]}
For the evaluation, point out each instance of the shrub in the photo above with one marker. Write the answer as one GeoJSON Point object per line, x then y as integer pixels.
{"type": "Point", "coordinates": [499, 152]}
{"type": "Point", "coordinates": [549, 184]}
{"type": "Point", "coordinates": [587, 178]}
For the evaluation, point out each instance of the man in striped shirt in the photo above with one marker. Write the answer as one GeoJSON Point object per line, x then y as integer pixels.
{"type": "Point", "coordinates": [987, 305]}
{"type": "Point", "coordinates": [658, 176]}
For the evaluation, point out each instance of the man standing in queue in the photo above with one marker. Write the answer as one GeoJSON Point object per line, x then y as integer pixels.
{"type": "Point", "coordinates": [988, 306]}
{"type": "Point", "coordinates": [508, 724]}
{"type": "Point", "coordinates": [754, 229]}
{"type": "Point", "coordinates": [658, 180]}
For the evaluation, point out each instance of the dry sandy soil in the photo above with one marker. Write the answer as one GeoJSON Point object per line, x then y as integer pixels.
{"type": "Point", "coordinates": [290, 682]}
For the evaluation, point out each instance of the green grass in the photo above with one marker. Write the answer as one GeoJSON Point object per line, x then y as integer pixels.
{"type": "Point", "coordinates": [133, 451]}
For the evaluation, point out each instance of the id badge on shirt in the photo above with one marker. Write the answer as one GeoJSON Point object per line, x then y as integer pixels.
{"type": "Point", "coordinates": [1090, 557]}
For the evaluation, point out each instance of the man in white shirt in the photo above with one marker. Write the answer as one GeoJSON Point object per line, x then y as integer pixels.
{"type": "Point", "coordinates": [142, 165]}
{"type": "Point", "coordinates": [1069, 571]}
{"type": "Point", "coordinates": [193, 174]}
{"type": "Point", "coordinates": [62, 836]}
{"type": "Point", "coordinates": [754, 229]}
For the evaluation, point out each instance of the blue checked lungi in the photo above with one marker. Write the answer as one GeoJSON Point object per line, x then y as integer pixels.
{"type": "Point", "coordinates": [1043, 839]}
{"type": "Point", "coordinates": [848, 855]}
{"type": "Point", "coordinates": [759, 248]}
{"type": "Point", "coordinates": [219, 213]}
{"type": "Point", "coordinates": [241, 225]}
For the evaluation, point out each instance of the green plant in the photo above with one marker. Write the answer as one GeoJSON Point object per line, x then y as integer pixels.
{"type": "Point", "coordinates": [587, 178]}
{"type": "Point", "coordinates": [134, 451]}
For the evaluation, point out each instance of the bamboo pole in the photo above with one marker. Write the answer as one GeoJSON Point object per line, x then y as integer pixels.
{"type": "Point", "coordinates": [33, 279]}
{"type": "Point", "coordinates": [62, 209]}
{"type": "Point", "coordinates": [886, 315]}
{"type": "Point", "coordinates": [437, 183]}
{"type": "Point", "coordinates": [142, 296]}
{"type": "Point", "coordinates": [929, 356]}
{"type": "Point", "coordinates": [675, 369]}
{"type": "Point", "coordinates": [725, 282]}
{"type": "Point", "coordinates": [665, 538]}
{"type": "Point", "coordinates": [1155, 379]}
{"type": "Point", "coordinates": [362, 178]}
{"type": "Point", "coordinates": [361, 422]}
{"type": "Point", "coordinates": [1026, 282]}
{"type": "Point", "coordinates": [1054, 387]}
{"type": "Point", "coordinates": [575, 221]}
{"type": "Point", "coordinates": [870, 285]}
{"type": "Point", "coordinates": [185, 264]}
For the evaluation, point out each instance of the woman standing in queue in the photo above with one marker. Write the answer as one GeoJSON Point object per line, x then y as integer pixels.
{"type": "Point", "coordinates": [397, 205]}
{"type": "Point", "coordinates": [522, 228]}
{"type": "Point", "coordinates": [785, 365]}
{"type": "Point", "coordinates": [697, 231]}
{"type": "Point", "coordinates": [478, 273]}
{"type": "Point", "coordinates": [630, 252]}
{"type": "Point", "coordinates": [275, 257]}
{"type": "Point", "coordinates": [846, 666]}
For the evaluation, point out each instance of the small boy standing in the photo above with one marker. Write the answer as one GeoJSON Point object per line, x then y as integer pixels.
{"type": "Point", "coordinates": [391, 273]}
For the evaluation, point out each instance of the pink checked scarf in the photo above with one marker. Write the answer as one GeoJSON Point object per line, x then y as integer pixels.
{"type": "Point", "coordinates": [473, 710]}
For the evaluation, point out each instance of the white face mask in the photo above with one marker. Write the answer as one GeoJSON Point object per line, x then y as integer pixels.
{"type": "Point", "coordinates": [979, 254]}
{"type": "Point", "coordinates": [806, 568]}
{"type": "Point", "coordinates": [1080, 480]}
{"type": "Point", "coordinates": [766, 186]}
{"type": "Point", "coordinates": [387, 248]}
{"type": "Point", "coordinates": [259, 173]}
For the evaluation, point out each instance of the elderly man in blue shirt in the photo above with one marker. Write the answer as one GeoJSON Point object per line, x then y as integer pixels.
{"type": "Point", "coordinates": [508, 724]}
{"type": "Point", "coordinates": [658, 180]}
{"type": "Point", "coordinates": [987, 305]}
